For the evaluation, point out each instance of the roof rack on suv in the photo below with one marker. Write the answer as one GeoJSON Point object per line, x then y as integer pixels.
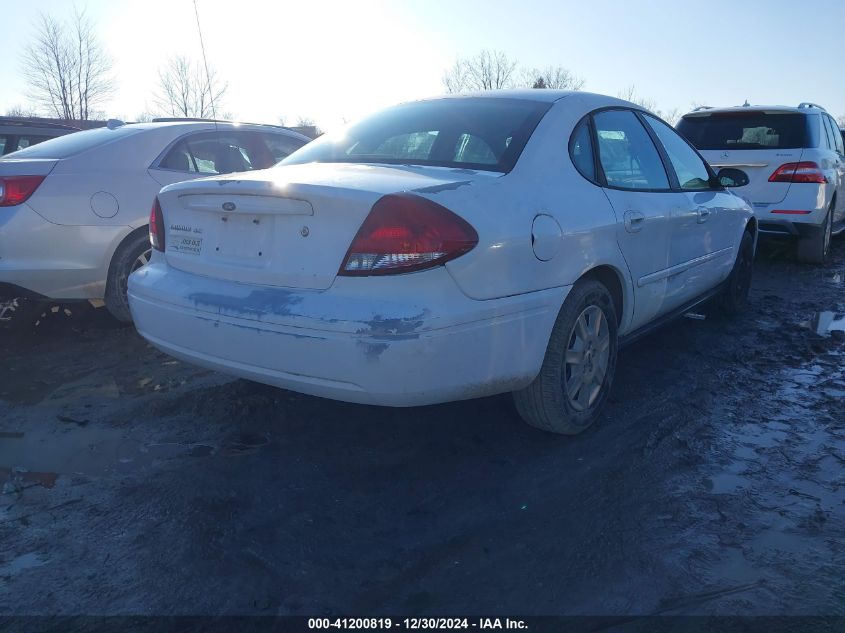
{"type": "Point", "coordinates": [808, 104]}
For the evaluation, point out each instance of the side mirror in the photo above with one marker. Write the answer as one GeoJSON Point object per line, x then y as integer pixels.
{"type": "Point", "coordinates": [731, 177]}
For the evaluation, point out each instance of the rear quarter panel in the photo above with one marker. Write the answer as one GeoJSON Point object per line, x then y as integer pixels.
{"type": "Point", "coordinates": [117, 169]}
{"type": "Point", "coordinates": [544, 182]}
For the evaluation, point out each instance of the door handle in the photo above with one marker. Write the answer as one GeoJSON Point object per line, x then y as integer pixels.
{"type": "Point", "coordinates": [703, 214]}
{"type": "Point", "coordinates": [634, 221]}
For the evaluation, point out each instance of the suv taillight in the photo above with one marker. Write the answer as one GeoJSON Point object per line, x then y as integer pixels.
{"type": "Point", "coordinates": [805, 171]}
{"type": "Point", "coordinates": [156, 227]}
{"type": "Point", "coordinates": [17, 189]}
{"type": "Point", "coordinates": [404, 233]}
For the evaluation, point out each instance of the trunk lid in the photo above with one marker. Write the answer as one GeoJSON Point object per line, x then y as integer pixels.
{"type": "Point", "coordinates": [10, 166]}
{"type": "Point", "coordinates": [287, 226]}
{"type": "Point", "coordinates": [759, 164]}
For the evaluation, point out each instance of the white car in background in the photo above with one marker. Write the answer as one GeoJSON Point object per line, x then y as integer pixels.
{"type": "Point", "coordinates": [794, 158]}
{"type": "Point", "coordinates": [448, 249]}
{"type": "Point", "coordinates": [74, 210]}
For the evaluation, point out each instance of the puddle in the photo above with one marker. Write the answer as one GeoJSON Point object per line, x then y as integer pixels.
{"type": "Point", "coordinates": [727, 483]}
{"type": "Point", "coordinates": [42, 456]}
{"type": "Point", "coordinates": [24, 561]}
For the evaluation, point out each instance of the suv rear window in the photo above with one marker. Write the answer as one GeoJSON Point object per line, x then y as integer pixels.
{"type": "Point", "coordinates": [747, 130]}
{"type": "Point", "coordinates": [474, 133]}
{"type": "Point", "coordinates": [75, 143]}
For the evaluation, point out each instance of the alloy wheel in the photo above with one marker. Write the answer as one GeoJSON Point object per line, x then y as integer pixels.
{"type": "Point", "coordinates": [586, 359]}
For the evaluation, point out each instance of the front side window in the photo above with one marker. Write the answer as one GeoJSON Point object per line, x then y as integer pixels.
{"type": "Point", "coordinates": [581, 150]}
{"type": "Point", "coordinates": [219, 153]}
{"type": "Point", "coordinates": [281, 146]}
{"type": "Point", "coordinates": [470, 133]}
{"type": "Point", "coordinates": [692, 172]}
{"type": "Point", "coordinates": [627, 155]}
{"type": "Point", "coordinates": [4, 140]}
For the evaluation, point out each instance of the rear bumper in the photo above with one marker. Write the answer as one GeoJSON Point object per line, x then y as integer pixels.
{"type": "Point", "coordinates": [792, 224]}
{"type": "Point", "coordinates": [402, 341]}
{"type": "Point", "coordinates": [55, 260]}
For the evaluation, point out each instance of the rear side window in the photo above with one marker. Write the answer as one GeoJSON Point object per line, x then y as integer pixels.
{"type": "Point", "coordinates": [691, 170]}
{"type": "Point", "coordinates": [581, 150]}
{"type": "Point", "coordinates": [627, 155]}
{"type": "Point", "coordinates": [833, 134]}
{"type": "Point", "coordinates": [75, 143]}
{"type": "Point", "coordinates": [748, 130]}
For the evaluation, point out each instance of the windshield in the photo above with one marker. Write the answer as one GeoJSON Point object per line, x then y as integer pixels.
{"type": "Point", "coordinates": [747, 130]}
{"type": "Point", "coordinates": [72, 144]}
{"type": "Point", "coordinates": [472, 133]}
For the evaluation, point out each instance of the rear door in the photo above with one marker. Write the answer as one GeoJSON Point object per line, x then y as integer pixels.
{"type": "Point", "coordinates": [753, 140]}
{"type": "Point", "coordinates": [638, 186]}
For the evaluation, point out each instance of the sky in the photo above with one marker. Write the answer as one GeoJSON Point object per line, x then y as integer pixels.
{"type": "Point", "coordinates": [334, 61]}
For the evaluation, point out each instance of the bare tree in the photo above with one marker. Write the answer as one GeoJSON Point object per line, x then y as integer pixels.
{"type": "Point", "coordinates": [841, 121]}
{"type": "Point", "coordinates": [185, 90]}
{"type": "Point", "coordinates": [304, 121]}
{"type": "Point", "coordinates": [488, 70]}
{"type": "Point", "coordinates": [630, 94]}
{"type": "Point", "coordinates": [552, 77]}
{"type": "Point", "coordinates": [66, 67]}
{"type": "Point", "coordinates": [24, 112]}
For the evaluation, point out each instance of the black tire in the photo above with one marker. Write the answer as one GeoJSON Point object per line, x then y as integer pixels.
{"type": "Point", "coordinates": [544, 403]}
{"type": "Point", "coordinates": [814, 247]}
{"type": "Point", "coordinates": [127, 258]}
{"type": "Point", "coordinates": [734, 298]}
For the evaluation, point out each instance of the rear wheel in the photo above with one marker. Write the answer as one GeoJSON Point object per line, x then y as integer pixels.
{"type": "Point", "coordinates": [575, 379]}
{"type": "Point", "coordinates": [734, 299]}
{"type": "Point", "coordinates": [129, 257]}
{"type": "Point", "coordinates": [814, 248]}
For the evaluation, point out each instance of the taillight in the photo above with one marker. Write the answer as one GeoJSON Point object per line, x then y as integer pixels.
{"type": "Point", "coordinates": [805, 171]}
{"type": "Point", "coordinates": [404, 233]}
{"type": "Point", "coordinates": [17, 189]}
{"type": "Point", "coordinates": [156, 227]}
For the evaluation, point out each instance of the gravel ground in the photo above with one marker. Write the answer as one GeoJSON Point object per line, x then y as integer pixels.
{"type": "Point", "coordinates": [713, 484]}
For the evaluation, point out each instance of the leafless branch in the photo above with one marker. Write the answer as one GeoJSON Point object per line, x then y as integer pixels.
{"type": "Point", "coordinates": [66, 68]}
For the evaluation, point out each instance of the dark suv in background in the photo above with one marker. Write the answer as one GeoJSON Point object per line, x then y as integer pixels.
{"type": "Point", "coordinates": [19, 133]}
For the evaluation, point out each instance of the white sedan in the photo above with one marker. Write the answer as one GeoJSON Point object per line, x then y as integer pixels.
{"type": "Point", "coordinates": [448, 249]}
{"type": "Point", "coordinates": [74, 210]}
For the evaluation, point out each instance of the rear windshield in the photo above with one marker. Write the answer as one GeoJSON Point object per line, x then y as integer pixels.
{"type": "Point", "coordinates": [72, 144]}
{"type": "Point", "coordinates": [473, 133]}
{"type": "Point", "coordinates": [747, 130]}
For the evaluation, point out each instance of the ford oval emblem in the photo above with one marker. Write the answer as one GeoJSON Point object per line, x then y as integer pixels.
{"type": "Point", "coordinates": [229, 206]}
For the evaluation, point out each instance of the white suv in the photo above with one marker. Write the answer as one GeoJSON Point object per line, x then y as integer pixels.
{"type": "Point", "coordinates": [795, 162]}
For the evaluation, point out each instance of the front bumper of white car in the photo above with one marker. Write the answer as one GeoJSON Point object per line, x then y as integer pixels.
{"type": "Point", "coordinates": [397, 341]}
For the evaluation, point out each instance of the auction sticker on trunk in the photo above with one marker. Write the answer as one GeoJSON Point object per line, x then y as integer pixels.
{"type": "Point", "coordinates": [184, 239]}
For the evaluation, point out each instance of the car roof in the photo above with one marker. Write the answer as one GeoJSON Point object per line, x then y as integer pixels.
{"type": "Point", "coordinates": [541, 95]}
{"type": "Point", "coordinates": [185, 124]}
